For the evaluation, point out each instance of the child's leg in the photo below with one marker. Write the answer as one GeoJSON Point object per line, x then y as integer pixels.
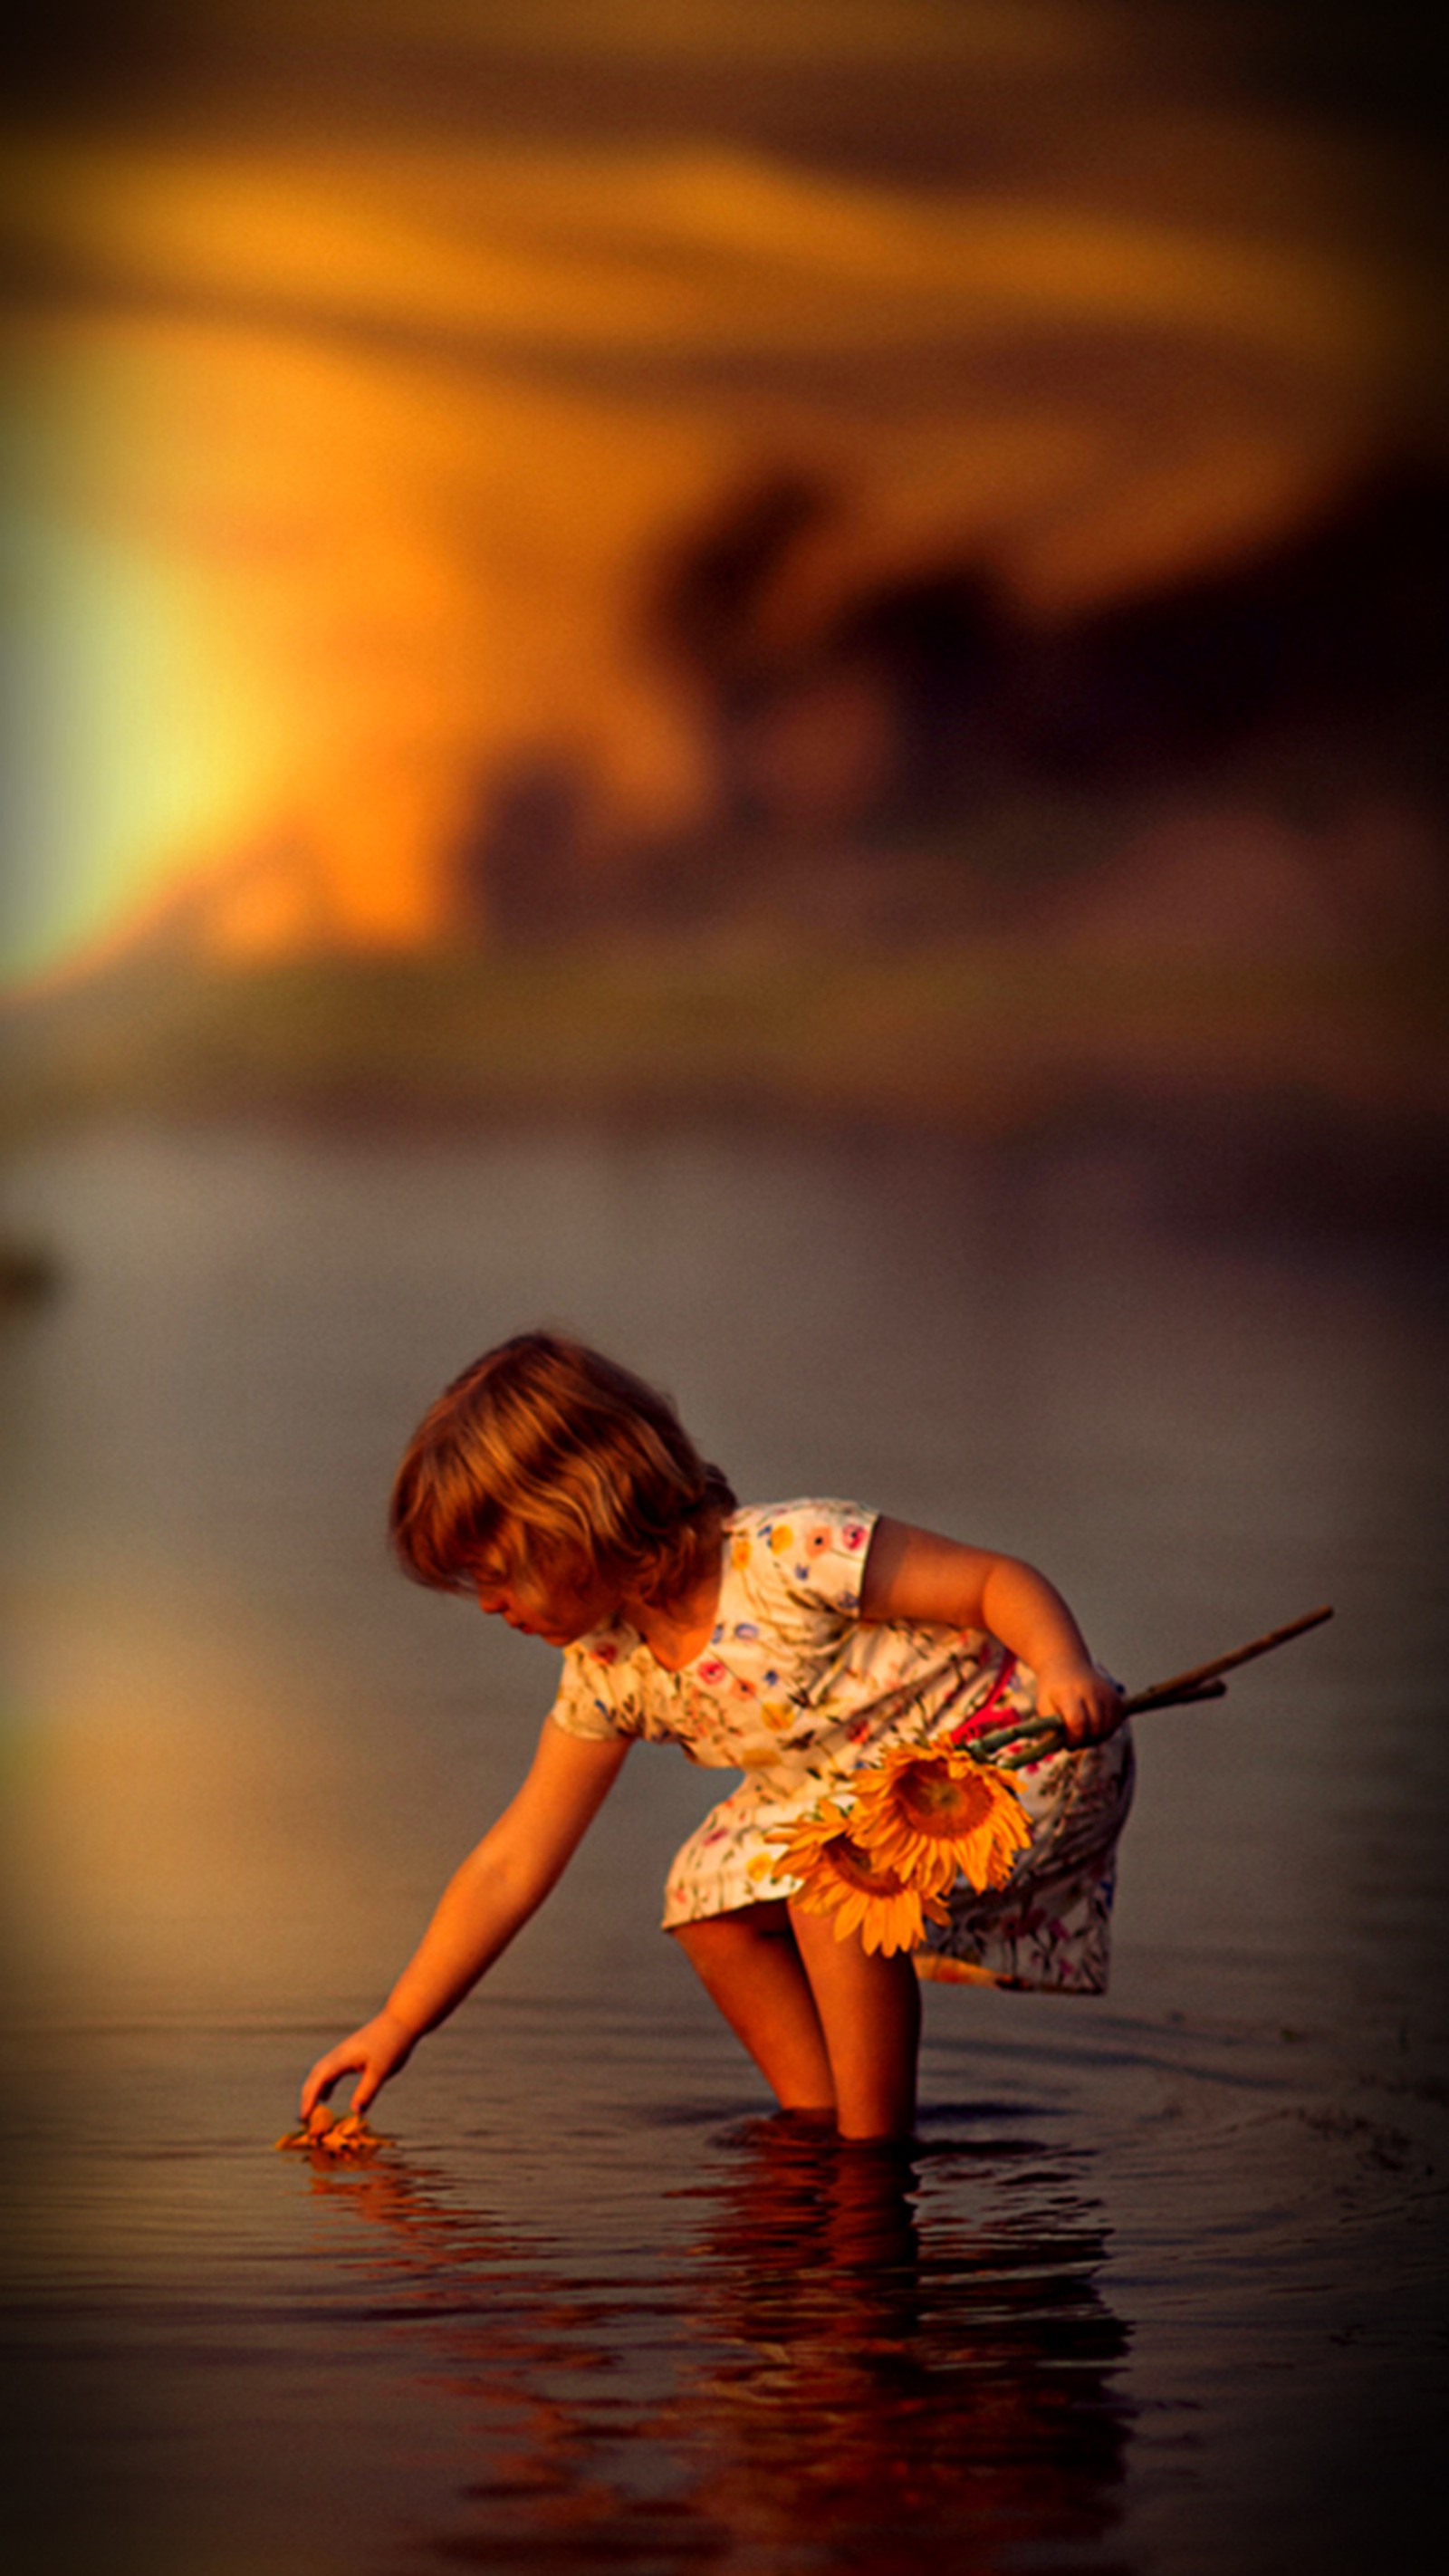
{"type": "Point", "coordinates": [749, 1965]}
{"type": "Point", "coordinates": [870, 2013]}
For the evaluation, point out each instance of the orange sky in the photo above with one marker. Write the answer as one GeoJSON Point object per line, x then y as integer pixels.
{"type": "Point", "coordinates": [348, 418]}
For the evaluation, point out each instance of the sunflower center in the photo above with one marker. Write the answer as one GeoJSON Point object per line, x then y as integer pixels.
{"type": "Point", "coordinates": [933, 1803]}
{"type": "Point", "coordinates": [850, 1863]}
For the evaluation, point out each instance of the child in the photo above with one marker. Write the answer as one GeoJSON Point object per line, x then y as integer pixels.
{"type": "Point", "coordinates": [802, 1643]}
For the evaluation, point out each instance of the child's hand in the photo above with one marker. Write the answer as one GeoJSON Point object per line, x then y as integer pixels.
{"type": "Point", "coordinates": [377, 2051]}
{"type": "Point", "coordinates": [1087, 1700]}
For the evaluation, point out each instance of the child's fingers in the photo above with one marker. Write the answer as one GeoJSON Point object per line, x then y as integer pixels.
{"type": "Point", "coordinates": [1089, 1713]}
{"type": "Point", "coordinates": [1101, 1719]}
{"type": "Point", "coordinates": [372, 2053]}
{"type": "Point", "coordinates": [325, 2074]}
{"type": "Point", "coordinates": [314, 2091]}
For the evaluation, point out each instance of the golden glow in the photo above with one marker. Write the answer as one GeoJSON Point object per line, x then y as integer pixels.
{"type": "Point", "coordinates": [350, 457]}
{"type": "Point", "coordinates": [177, 1812]}
{"type": "Point", "coordinates": [140, 746]}
{"type": "Point", "coordinates": [577, 251]}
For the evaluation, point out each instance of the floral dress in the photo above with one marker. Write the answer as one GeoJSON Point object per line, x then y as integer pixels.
{"type": "Point", "coordinates": [799, 1693]}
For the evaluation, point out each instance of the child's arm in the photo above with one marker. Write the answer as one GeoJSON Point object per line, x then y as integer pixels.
{"type": "Point", "coordinates": [911, 1574]}
{"type": "Point", "coordinates": [493, 1893]}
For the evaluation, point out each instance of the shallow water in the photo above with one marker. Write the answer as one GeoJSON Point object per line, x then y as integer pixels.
{"type": "Point", "coordinates": [1161, 2283]}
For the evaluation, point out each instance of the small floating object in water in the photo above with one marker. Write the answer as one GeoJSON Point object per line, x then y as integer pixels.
{"type": "Point", "coordinates": [350, 2140]}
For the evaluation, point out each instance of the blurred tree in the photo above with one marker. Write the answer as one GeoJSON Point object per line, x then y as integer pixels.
{"type": "Point", "coordinates": [859, 712]}
{"type": "Point", "coordinates": [1338, 632]}
{"type": "Point", "coordinates": [516, 867]}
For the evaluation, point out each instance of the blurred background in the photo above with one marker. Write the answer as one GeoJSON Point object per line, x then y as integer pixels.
{"type": "Point", "coordinates": [765, 677]}
{"type": "Point", "coordinates": [881, 559]}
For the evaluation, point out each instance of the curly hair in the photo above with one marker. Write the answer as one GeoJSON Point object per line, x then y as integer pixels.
{"type": "Point", "coordinates": [544, 1452]}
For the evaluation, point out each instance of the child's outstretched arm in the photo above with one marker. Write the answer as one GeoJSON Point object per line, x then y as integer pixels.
{"type": "Point", "coordinates": [500, 1884]}
{"type": "Point", "coordinates": [911, 1574]}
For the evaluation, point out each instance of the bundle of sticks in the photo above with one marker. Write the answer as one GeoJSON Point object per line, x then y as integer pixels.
{"type": "Point", "coordinates": [1030, 1737]}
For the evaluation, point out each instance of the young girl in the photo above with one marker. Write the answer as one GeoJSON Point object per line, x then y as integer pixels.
{"type": "Point", "coordinates": [802, 1643]}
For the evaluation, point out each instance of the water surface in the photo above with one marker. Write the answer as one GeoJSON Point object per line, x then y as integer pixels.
{"type": "Point", "coordinates": [1159, 2285]}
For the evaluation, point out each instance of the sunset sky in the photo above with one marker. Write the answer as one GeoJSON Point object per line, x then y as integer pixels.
{"type": "Point", "coordinates": [362, 357]}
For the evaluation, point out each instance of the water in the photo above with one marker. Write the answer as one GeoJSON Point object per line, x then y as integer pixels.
{"type": "Point", "coordinates": [1160, 2284]}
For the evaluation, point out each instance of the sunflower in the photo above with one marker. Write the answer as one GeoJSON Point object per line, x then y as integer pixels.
{"type": "Point", "coordinates": [928, 1814]}
{"type": "Point", "coordinates": [837, 1877]}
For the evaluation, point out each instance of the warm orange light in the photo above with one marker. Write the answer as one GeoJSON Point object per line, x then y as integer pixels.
{"type": "Point", "coordinates": [355, 462]}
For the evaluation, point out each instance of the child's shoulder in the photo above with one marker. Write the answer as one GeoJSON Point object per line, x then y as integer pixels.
{"type": "Point", "coordinates": [812, 1542]}
{"type": "Point", "coordinates": [808, 1519]}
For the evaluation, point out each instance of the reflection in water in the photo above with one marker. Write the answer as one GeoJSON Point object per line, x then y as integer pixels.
{"type": "Point", "coordinates": [872, 2358]}
{"type": "Point", "coordinates": [894, 2380]}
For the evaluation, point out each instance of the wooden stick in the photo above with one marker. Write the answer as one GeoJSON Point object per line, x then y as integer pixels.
{"type": "Point", "coordinates": [1040, 1735]}
{"type": "Point", "coordinates": [1164, 1696]}
{"type": "Point", "coordinates": [1183, 1686]}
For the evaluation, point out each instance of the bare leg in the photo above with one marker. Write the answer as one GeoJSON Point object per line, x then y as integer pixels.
{"type": "Point", "coordinates": [750, 1967]}
{"type": "Point", "coordinates": [870, 2014]}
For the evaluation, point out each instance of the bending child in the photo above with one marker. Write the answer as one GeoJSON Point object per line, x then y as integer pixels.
{"type": "Point", "coordinates": [810, 1644]}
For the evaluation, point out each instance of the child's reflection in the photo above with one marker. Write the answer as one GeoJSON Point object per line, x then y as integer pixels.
{"type": "Point", "coordinates": [846, 2370]}
{"type": "Point", "coordinates": [892, 2384]}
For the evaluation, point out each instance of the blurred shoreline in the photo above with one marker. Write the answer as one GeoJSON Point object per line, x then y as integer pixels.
{"type": "Point", "coordinates": [1310, 1091]}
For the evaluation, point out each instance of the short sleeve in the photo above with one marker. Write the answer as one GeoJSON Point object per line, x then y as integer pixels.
{"type": "Point", "coordinates": [815, 1550]}
{"type": "Point", "coordinates": [591, 1701]}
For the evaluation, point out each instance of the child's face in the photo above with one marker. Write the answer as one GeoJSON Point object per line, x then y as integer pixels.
{"type": "Point", "coordinates": [541, 1602]}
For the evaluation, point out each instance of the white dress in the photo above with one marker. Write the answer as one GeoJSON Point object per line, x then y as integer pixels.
{"type": "Point", "coordinates": [796, 1691]}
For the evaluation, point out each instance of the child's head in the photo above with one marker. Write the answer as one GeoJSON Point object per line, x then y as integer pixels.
{"type": "Point", "coordinates": [546, 1454]}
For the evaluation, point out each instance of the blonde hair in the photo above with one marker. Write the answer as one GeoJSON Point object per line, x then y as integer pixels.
{"type": "Point", "coordinates": [547, 1453]}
